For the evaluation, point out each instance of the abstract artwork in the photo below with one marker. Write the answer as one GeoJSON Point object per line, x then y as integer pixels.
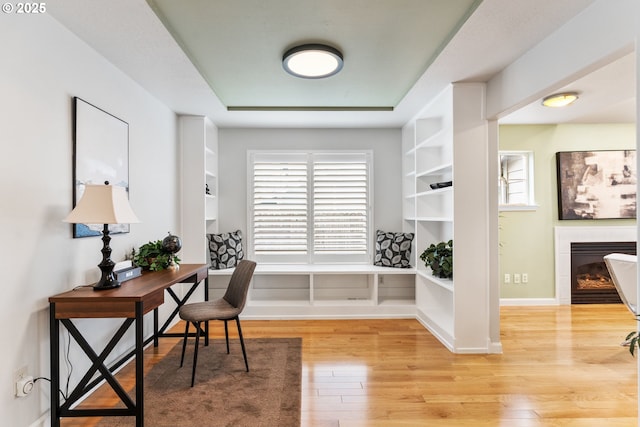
{"type": "Point", "coordinates": [596, 184]}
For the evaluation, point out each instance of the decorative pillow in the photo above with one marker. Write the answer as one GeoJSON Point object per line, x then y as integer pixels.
{"type": "Point", "coordinates": [393, 249]}
{"type": "Point", "coordinates": [225, 250]}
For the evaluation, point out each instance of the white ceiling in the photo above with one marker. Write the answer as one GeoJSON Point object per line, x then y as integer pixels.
{"type": "Point", "coordinates": [237, 46]}
{"type": "Point", "coordinates": [254, 33]}
{"type": "Point", "coordinates": [606, 95]}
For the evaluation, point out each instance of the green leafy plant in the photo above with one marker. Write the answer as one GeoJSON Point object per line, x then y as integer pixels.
{"type": "Point", "coordinates": [151, 256]}
{"type": "Point", "coordinates": [632, 339]}
{"type": "Point", "coordinates": [439, 257]}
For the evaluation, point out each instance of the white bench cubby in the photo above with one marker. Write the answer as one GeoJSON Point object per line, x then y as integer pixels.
{"type": "Point", "coordinates": [294, 291]}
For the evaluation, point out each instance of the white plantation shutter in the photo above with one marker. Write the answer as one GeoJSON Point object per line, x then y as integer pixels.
{"type": "Point", "coordinates": [310, 207]}
{"type": "Point", "coordinates": [280, 205]}
{"type": "Point", "coordinates": [340, 205]}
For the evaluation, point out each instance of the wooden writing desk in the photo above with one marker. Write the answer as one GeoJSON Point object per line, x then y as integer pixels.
{"type": "Point", "coordinates": [131, 301]}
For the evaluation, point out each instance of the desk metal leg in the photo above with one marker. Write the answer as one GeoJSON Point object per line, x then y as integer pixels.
{"type": "Point", "coordinates": [206, 298]}
{"type": "Point", "coordinates": [139, 366]}
{"type": "Point", "coordinates": [156, 320]}
{"type": "Point", "coordinates": [160, 332]}
{"type": "Point", "coordinates": [54, 337]}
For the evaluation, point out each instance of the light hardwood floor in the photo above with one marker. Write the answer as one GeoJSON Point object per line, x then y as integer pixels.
{"type": "Point", "coordinates": [561, 366]}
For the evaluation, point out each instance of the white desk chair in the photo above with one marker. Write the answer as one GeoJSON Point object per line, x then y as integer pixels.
{"type": "Point", "coordinates": [623, 270]}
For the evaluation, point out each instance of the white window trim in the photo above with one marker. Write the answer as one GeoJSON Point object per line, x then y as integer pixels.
{"type": "Point", "coordinates": [531, 205]}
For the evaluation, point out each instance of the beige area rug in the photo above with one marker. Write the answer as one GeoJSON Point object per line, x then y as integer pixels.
{"type": "Point", "coordinates": [224, 395]}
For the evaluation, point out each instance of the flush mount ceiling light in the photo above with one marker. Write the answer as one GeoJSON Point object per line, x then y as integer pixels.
{"type": "Point", "coordinates": [312, 61]}
{"type": "Point", "coordinates": [560, 99]}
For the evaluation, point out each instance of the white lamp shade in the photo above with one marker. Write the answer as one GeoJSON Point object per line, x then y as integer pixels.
{"type": "Point", "coordinates": [103, 204]}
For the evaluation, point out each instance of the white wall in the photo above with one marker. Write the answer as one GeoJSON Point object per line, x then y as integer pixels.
{"type": "Point", "coordinates": [43, 67]}
{"type": "Point", "coordinates": [234, 143]}
{"type": "Point", "coordinates": [605, 31]}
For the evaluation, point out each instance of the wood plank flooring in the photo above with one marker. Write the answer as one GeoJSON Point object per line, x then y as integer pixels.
{"type": "Point", "coordinates": [561, 366]}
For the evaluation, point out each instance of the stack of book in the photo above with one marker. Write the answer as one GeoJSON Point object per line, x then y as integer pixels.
{"type": "Point", "coordinates": [125, 270]}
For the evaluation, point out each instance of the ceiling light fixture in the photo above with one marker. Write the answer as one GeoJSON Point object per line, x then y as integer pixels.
{"type": "Point", "coordinates": [312, 61]}
{"type": "Point", "coordinates": [560, 99]}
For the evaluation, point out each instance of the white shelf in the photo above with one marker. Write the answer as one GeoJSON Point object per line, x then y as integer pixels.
{"type": "Point", "coordinates": [278, 303]}
{"type": "Point", "coordinates": [198, 140]}
{"type": "Point", "coordinates": [327, 289]}
{"type": "Point", "coordinates": [396, 301]}
{"type": "Point", "coordinates": [444, 143]}
{"type": "Point", "coordinates": [438, 139]}
{"type": "Point", "coordinates": [307, 269]}
{"type": "Point", "coordinates": [443, 283]}
{"type": "Point", "coordinates": [348, 302]}
{"type": "Point", "coordinates": [434, 219]}
{"type": "Point", "coordinates": [439, 170]}
{"type": "Point", "coordinates": [436, 192]}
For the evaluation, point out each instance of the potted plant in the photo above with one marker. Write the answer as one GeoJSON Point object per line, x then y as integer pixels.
{"type": "Point", "coordinates": [152, 256]}
{"type": "Point", "coordinates": [439, 257]}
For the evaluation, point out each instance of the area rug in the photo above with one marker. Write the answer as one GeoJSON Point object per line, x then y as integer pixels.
{"type": "Point", "coordinates": [224, 395]}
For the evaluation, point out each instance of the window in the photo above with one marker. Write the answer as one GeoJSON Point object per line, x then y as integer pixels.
{"type": "Point", "coordinates": [515, 182]}
{"type": "Point", "coordinates": [310, 207]}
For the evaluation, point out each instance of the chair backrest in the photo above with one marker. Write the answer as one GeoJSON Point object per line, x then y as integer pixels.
{"type": "Point", "coordinates": [623, 270]}
{"type": "Point", "coordinates": [236, 293]}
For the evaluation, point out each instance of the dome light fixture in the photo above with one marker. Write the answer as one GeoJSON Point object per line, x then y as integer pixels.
{"type": "Point", "coordinates": [312, 61]}
{"type": "Point", "coordinates": [560, 99]}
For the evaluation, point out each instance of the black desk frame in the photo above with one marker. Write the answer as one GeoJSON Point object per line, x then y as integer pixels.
{"type": "Point", "coordinates": [86, 384]}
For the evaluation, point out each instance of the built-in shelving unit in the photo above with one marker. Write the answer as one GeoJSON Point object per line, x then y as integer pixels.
{"type": "Point", "coordinates": [211, 182]}
{"type": "Point", "coordinates": [448, 142]}
{"type": "Point", "coordinates": [325, 291]}
{"type": "Point", "coordinates": [199, 183]}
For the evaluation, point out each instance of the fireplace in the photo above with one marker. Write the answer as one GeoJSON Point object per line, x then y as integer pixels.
{"type": "Point", "coordinates": [590, 280]}
{"type": "Point", "coordinates": [565, 235]}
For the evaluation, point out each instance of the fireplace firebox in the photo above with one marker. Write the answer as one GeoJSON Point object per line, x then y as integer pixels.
{"type": "Point", "coordinates": [590, 280]}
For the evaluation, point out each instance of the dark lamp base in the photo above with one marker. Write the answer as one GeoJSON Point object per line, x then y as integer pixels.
{"type": "Point", "coordinates": [108, 279]}
{"type": "Point", "coordinates": [108, 284]}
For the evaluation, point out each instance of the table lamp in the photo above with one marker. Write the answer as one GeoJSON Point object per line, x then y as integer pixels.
{"type": "Point", "coordinates": [103, 204]}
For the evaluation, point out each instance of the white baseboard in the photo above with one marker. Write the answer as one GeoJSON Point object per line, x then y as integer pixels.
{"type": "Point", "coordinates": [43, 421]}
{"type": "Point", "coordinates": [528, 301]}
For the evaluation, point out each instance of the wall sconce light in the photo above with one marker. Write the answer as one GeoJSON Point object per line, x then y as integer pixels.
{"type": "Point", "coordinates": [103, 204]}
{"type": "Point", "coordinates": [312, 61]}
{"type": "Point", "coordinates": [560, 99]}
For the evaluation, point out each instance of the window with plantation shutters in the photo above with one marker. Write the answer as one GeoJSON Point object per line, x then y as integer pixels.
{"type": "Point", "coordinates": [340, 205]}
{"type": "Point", "coordinates": [280, 211]}
{"type": "Point", "coordinates": [310, 207]}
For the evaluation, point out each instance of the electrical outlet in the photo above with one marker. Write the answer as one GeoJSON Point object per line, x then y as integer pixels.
{"type": "Point", "coordinates": [24, 386]}
{"type": "Point", "coordinates": [507, 278]}
{"type": "Point", "coordinates": [516, 278]}
{"type": "Point", "coordinates": [525, 278]}
{"type": "Point", "coordinates": [18, 375]}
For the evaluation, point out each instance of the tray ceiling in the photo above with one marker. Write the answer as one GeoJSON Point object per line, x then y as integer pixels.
{"type": "Point", "coordinates": [237, 46]}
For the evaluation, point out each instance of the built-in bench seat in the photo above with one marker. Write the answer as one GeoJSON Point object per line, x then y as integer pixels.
{"type": "Point", "coordinates": [325, 290]}
{"type": "Point", "coordinates": [318, 269]}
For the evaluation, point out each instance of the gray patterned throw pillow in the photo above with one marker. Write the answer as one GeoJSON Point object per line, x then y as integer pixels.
{"type": "Point", "coordinates": [225, 249]}
{"type": "Point", "coordinates": [393, 249]}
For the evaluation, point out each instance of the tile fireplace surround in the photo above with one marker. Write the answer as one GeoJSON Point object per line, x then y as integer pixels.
{"type": "Point", "coordinates": [564, 236]}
